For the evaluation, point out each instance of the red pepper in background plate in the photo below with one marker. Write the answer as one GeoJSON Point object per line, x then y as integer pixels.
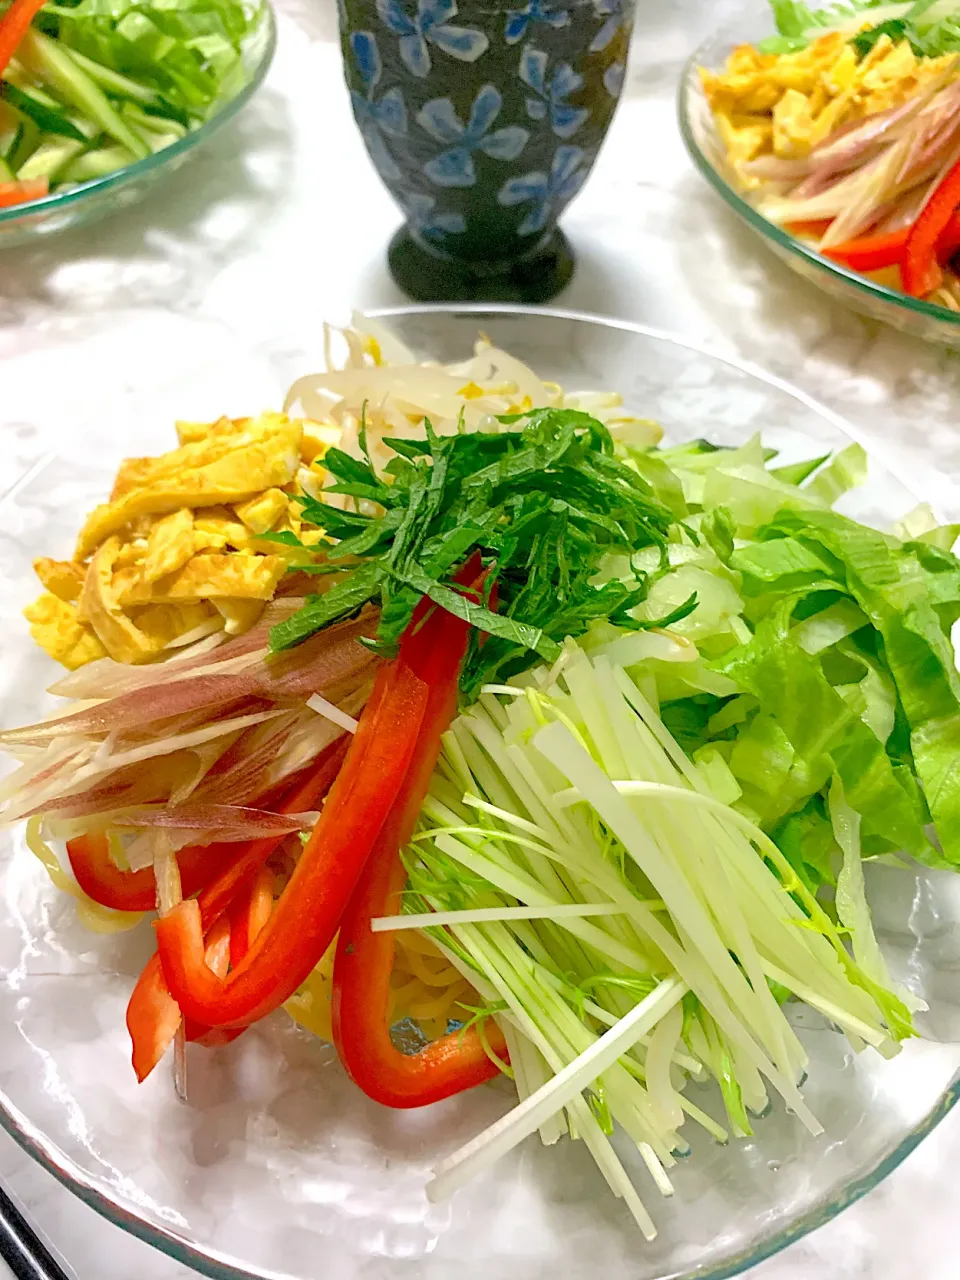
{"type": "Point", "coordinates": [874, 252]}
{"type": "Point", "coordinates": [921, 272]}
{"type": "Point", "coordinates": [153, 1015]}
{"type": "Point", "coordinates": [13, 27]}
{"type": "Point", "coordinates": [22, 191]}
{"type": "Point", "coordinates": [307, 914]}
{"type": "Point", "coordinates": [364, 959]}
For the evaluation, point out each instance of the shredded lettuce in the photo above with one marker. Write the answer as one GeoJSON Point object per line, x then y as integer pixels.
{"type": "Point", "coordinates": [931, 26]}
{"type": "Point", "coordinates": [189, 52]}
{"type": "Point", "coordinates": [99, 84]}
{"type": "Point", "coordinates": [911, 594]}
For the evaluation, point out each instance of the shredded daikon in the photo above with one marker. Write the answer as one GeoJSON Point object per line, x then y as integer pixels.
{"type": "Point", "coordinates": [331, 712]}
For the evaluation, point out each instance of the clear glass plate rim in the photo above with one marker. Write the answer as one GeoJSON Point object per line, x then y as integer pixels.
{"type": "Point", "coordinates": [220, 1266]}
{"type": "Point", "coordinates": [769, 230]}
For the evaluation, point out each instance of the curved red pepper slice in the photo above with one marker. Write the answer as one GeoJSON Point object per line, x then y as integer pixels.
{"type": "Point", "coordinates": [249, 914]}
{"type": "Point", "coordinates": [307, 915]}
{"type": "Point", "coordinates": [921, 272]}
{"type": "Point", "coordinates": [13, 27]}
{"type": "Point", "coordinates": [153, 1015]}
{"type": "Point", "coordinates": [361, 1000]}
{"type": "Point", "coordinates": [102, 880]}
{"type": "Point", "coordinates": [364, 960]}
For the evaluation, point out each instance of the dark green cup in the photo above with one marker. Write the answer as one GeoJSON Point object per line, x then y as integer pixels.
{"type": "Point", "coordinates": [484, 121]}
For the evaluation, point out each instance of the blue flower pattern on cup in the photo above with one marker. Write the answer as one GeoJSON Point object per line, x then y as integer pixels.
{"type": "Point", "coordinates": [431, 223]}
{"type": "Point", "coordinates": [388, 116]}
{"type": "Point", "coordinates": [546, 192]}
{"type": "Point", "coordinates": [520, 21]}
{"type": "Point", "coordinates": [454, 166]}
{"type": "Point", "coordinates": [613, 78]}
{"type": "Point", "coordinates": [612, 10]}
{"type": "Point", "coordinates": [551, 94]}
{"type": "Point", "coordinates": [430, 25]}
{"type": "Point", "coordinates": [420, 42]}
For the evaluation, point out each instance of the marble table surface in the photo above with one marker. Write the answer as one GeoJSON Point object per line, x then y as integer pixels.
{"type": "Point", "coordinates": [283, 224]}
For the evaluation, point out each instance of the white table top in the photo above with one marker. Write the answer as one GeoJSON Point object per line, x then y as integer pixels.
{"type": "Point", "coordinates": [284, 223]}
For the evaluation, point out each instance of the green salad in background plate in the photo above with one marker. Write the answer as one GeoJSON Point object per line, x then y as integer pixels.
{"type": "Point", "coordinates": [90, 89]}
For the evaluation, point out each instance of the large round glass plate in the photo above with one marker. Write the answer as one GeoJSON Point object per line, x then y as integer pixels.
{"type": "Point", "coordinates": [910, 315]}
{"type": "Point", "coordinates": [278, 1166]}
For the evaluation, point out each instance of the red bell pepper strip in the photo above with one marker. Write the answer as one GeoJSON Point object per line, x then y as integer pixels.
{"type": "Point", "coordinates": [364, 963]}
{"type": "Point", "coordinates": [153, 1015]}
{"type": "Point", "coordinates": [364, 960]}
{"type": "Point", "coordinates": [308, 913]}
{"type": "Point", "coordinates": [13, 27]}
{"type": "Point", "coordinates": [921, 272]}
{"type": "Point", "coordinates": [872, 253]}
{"type": "Point", "coordinates": [249, 913]}
{"type": "Point", "coordinates": [23, 190]}
{"type": "Point", "coordinates": [102, 880]}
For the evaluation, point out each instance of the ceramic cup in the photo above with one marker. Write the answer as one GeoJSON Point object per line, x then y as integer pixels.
{"type": "Point", "coordinates": [484, 120]}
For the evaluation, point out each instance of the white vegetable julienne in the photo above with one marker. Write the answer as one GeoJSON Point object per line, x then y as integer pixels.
{"type": "Point", "coordinates": [382, 381]}
{"type": "Point", "coordinates": [577, 909]}
{"type": "Point", "coordinates": [331, 712]}
{"type": "Point", "coordinates": [483, 915]}
{"type": "Point", "coordinates": [166, 869]}
{"type": "Point", "coordinates": [212, 626]}
{"type": "Point", "coordinates": [556, 1093]}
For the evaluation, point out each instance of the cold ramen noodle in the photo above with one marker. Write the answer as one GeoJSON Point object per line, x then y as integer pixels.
{"type": "Point", "coordinates": [451, 701]}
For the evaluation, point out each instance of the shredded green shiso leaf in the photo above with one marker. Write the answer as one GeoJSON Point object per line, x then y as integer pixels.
{"type": "Point", "coordinates": [99, 84]}
{"type": "Point", "coordinates": [545, 503]}
{"type": "Point", "coordinates": [788, 643]}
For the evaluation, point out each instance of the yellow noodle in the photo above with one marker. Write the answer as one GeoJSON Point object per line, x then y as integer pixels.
{"type": "Point", "coordinates": [310, 1004]}
{"type": "Point", "coordinates": [424, 986]}
{"type": "Point", "coordinates": [418, 943]}
{"type": "Point", "coordinates": [428, 976]}
{"type": "Point", "coordinates": [89, 913]}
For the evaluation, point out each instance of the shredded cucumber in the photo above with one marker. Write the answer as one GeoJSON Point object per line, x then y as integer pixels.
{"type": "Point", "coordinates": [122, 81]}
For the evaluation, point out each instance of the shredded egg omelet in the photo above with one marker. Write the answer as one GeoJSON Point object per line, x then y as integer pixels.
{"type": "Point", "coordinates": [786, 104]}
{"type": "Point", "coordinates": [180, 542]}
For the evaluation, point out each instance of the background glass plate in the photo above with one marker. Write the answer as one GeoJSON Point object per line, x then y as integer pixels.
{"type": "Point", "coordinates": [910, 315]}
{"type": "Point", "coordinates": [278, 1166]}
{"type": "Point", "coordinates": [90, 201]}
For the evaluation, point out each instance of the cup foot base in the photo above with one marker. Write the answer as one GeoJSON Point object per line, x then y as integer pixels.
{"type": "Point", "coordinates": [532, 280]}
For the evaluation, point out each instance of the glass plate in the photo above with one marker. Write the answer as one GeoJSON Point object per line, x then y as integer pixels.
{"type": "Point", "coordinates": [278, 1161]}
{"type": "Point", "coordinates": [910, 315]}
{"type": "Point", "coordinates": [92, 200]}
